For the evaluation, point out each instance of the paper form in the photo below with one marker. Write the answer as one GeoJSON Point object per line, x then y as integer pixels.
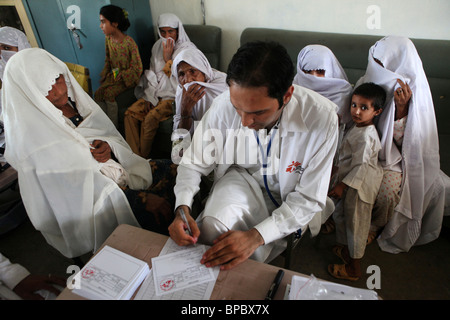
{"type": "Point", "coordinates": [200, 291]}
{"type": "Point", "coordinates": [111, 274]}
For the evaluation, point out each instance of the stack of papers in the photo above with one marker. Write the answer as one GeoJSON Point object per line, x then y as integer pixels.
{"type": "Point", "coordinates": [110, 275]}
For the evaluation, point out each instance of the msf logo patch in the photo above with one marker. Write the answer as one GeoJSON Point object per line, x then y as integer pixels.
{"type": "Point", "coordinates": [295, 167]}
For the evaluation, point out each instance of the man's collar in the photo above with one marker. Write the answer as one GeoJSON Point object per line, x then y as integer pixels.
{"type": "Point", "coordinates": [291, 119]}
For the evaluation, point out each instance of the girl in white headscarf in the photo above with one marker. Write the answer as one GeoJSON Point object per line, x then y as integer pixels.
{"type": "Point", "coordinates": [11, 41]}
{"type": "Point", "coordinates": [156, 88]}
{"type": "Point", "coordinates": [410, 203]}
{"type": "Point", "coordinates": [318, 69]}
{"type": "Point", "coordinates": [59, 148]}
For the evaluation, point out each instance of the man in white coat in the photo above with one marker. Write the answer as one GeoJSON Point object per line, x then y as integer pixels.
{"type": "Point", "coordinates": [271, 146]}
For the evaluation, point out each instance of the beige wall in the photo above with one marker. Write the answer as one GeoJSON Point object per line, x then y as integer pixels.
{"type": "Point", "coordinates": [411, 18]}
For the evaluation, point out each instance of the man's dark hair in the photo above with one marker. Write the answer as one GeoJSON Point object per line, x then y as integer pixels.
{"type": "Point", "coordinates": [116, 14]}
{"type": "Point", "coordinates": [262, 64]}
{"type": "Point", "coordinates": [372, 91]}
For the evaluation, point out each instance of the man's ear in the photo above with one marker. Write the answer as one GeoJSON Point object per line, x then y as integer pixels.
{"type": "Point", "coordinates": [288, 95]}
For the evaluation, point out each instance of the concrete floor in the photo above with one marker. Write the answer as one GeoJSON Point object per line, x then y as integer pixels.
{"type": "Point", "coordinates": [422, 273]}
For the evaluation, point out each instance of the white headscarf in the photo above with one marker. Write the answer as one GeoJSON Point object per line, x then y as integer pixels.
{"type": "Point", "coordinates": [154, 84]}
{"type": "Point", "coordinates": [215, 83]}
{"type": "Point", "coordinates": [66, 197]}
{"type": "Point", "coordinates": [12, 37]}
{"type": "Point", "coordinates": [16, 38]}
{"type": "Point", "coordinates": [334, 85]}
{"type": "Point", "coordinates": [419, 157]}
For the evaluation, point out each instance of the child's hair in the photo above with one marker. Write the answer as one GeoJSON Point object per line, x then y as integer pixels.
{"type": "Point", "coordinates": [372, 91]}
{"type": "Point", "coordinates": [116, 14]}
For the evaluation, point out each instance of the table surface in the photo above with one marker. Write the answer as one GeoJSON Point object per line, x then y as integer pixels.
{"type": "Point", "coordinates": [250, 280]}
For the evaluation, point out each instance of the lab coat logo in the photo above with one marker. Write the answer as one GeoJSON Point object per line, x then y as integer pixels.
{"type": "Point", "coordinates": [295, 167]}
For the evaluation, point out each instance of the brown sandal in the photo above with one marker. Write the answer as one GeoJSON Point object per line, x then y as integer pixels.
{"type": "Point", "coordinates": [337, 250]}
{"type": "Point", "coordinates": [338, 271]}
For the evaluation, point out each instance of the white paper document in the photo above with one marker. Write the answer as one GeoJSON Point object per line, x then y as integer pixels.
{"type": "Point", "coordinates": [179, 270]}
{"type": "Point", "coordinates": [192, 280]}
{"type": "Point", "coordinates": [111, 274]}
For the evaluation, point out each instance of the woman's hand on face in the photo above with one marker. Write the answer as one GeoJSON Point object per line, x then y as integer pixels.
{"type": "Point", "coordinates": [402, 96]}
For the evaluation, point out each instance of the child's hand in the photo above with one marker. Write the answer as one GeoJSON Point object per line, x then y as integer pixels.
{"type": "Point", "coordinates": [338, 190]}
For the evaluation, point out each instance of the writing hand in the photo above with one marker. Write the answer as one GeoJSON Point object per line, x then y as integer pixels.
{"type": "Point", "coordinates": [232, 248]}
{"type": "Point", "coordinates": [177, 229]}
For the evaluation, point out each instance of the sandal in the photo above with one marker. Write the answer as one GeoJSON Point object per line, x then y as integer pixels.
{"type": "Point", "coordinates": [338, 271]}
{"type": "Point", "coordinates": [337, 250]}
{"type": "Point", "coordinates": [328, 227]}
{"type": "Point", "coordinates": [372, 236]}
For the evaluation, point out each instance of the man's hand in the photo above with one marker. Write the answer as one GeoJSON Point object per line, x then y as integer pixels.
{"type": "Point", "coordinates": [178, 227]}
{"type": "Point", "coordinates": [101, 151]}
{"type": "Point", "coordinates": [232, 248]}
{"type": "Point", "coordinates": [27, 287]}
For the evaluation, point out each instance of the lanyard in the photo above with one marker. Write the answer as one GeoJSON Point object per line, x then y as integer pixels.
{"type": "Point", "coordinates": [264, 156]}
{"type": "Point", "coordinates": [264, 161]}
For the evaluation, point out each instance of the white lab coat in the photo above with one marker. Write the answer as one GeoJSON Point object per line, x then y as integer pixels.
{"type": "Point", "coordinates": [300, 166]}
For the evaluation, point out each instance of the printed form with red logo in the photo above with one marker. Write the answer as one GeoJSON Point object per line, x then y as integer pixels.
{"type": "Point", "coordinates": [180, 270]}
{"type": "Point", "coordinates": [110, 275]}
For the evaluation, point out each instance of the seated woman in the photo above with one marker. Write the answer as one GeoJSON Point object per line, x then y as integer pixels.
{"type": "Point", "coordinates": [318, 69]}
{"type": "Point", "coordinates": [156, 88]}
{"type": "Point", "coordinates": [410, 204]}
{"type": "Point", "coordinates": [63, 148]}
{"type": "Point", "coordinates": [12, 40]}
{"type": "Point", "coordinates": [198, 85]}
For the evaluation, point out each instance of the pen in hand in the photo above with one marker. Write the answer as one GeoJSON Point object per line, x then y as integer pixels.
{"type": "Point", "coordinates": [183, 216]}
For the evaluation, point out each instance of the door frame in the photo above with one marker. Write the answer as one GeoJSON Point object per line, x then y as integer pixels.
{"type": "Point", "coordinates": [23, 19]}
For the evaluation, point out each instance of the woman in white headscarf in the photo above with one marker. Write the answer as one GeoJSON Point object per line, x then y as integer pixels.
{"type": "Point", "coordinates": [198, 86]}
{"type": "Point", "coordinates": [61, 147]}
{"type": "Point", "coordinates": [410, 203]}
{"type": "Point", "coordinates": [318, 69]}
{"type": "Point", "coordinates": [11, 41]}
{"type": "Point", "coordinates": [156, 88]}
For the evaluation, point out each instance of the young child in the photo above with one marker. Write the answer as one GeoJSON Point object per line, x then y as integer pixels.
{"type": "Point", "coordinates": [358, 181]}
{"type": "Point", "coordinates": [123, 65]}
